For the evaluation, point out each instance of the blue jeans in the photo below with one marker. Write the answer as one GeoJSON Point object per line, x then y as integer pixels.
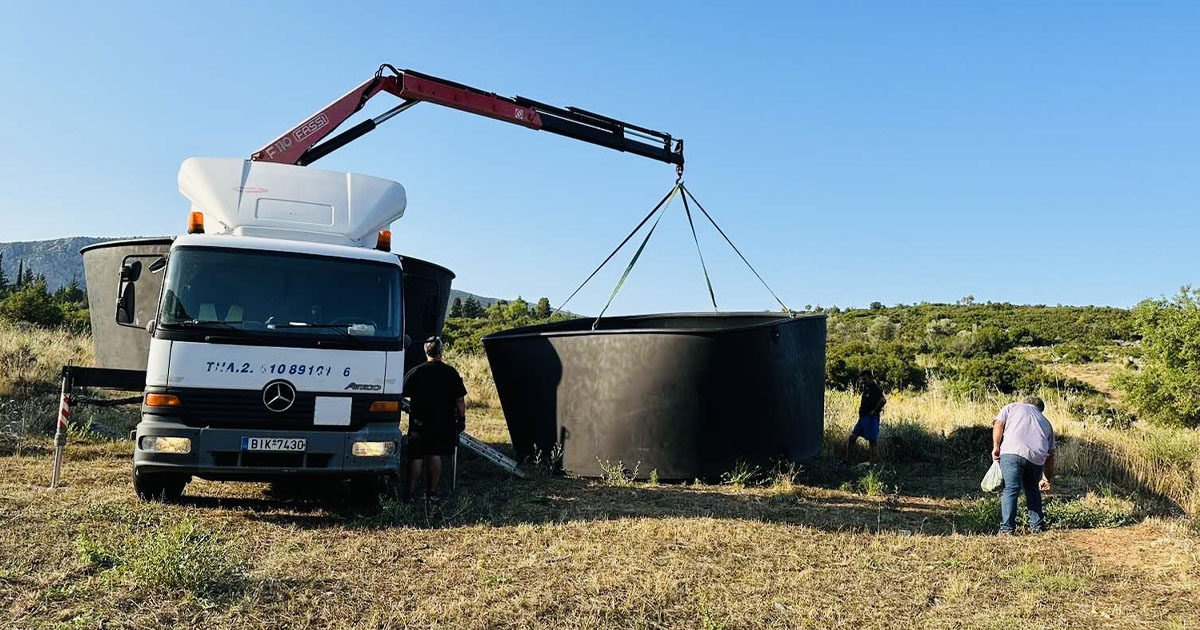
{"type": "Point", "coordinates": [1020, 473]}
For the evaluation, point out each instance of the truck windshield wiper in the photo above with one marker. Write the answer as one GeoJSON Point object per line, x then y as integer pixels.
{"type": "Point", "coordinates": [341, 328]}
{"type": "Point", "coordinates": [201, 323]}
{"type": "Point", "coordinates": [209, 323]}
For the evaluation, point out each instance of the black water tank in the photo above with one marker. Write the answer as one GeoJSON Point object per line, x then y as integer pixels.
{"type": "Point", "coordinates": [684, 395]}
{"type": "Point", "coordinates": [426, 296]}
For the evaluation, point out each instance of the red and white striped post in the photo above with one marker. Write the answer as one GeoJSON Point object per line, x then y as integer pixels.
{"type": "Point", "coordinates": [60, 431]}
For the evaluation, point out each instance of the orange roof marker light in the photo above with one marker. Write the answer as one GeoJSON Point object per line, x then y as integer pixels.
{"type": "Point", "coordinates": [196, 223]}
{"type": "Point", "coordinates": [384, 243]}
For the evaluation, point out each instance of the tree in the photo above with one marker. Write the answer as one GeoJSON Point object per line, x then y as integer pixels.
{"type": "Point", "coordinates": [518, 309]}
{"type": "Point", "coordinates": [543, 310]}
{"type": "Point", "coordinates": [882, 329]}
{"type": "Point", "coordinates": [472, 308]}
{"type": "Point", "coordinates": [29, 277]}
{"type": "Point", "coordinates": [3, 277]}
{"type": "Point", "coordinates": [32, 303]}
{"type": "Point", "coordinates": [498, 310]}
{"type": "Point", "coordinates": [20, 273]}
{"type": "Point", "coordinates": [966, 300]}
{"type": "Point", "coordinates": [456, 307]}
{"type": "Point", "coordinates": [939, 329]}
{"type": "Point", "coordinates": [1166, 388]}
{"type": "Point", "coordinates": [876, 306]}
{"type": "Point", "coordinates": [70, 293]}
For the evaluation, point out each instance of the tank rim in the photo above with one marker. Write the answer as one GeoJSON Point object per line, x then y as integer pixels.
{"type": "Point", "coordinates": [404, 257]}
{"type": "Point", "coordinates": [144, 240]}
{"type": "Point", "coordinates": [770, 319]}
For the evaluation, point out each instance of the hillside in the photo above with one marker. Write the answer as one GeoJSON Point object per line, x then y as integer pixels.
{"type": "Point", "coordinates": [463, 295]}
{"type": "Point", "coordinates": [59, 260]}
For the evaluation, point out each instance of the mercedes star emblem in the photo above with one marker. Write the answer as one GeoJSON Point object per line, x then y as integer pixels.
{"type": "Point", "coordinates": [278, 396]}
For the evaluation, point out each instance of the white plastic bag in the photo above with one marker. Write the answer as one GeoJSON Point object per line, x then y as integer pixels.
{"type": "Point", "coordinates": [993, 481]}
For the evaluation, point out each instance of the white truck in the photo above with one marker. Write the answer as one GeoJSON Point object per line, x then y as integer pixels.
{"type": "Point", "coordinates": [277, 347]}
{"type": "Point", "coordinates": [277, 324]}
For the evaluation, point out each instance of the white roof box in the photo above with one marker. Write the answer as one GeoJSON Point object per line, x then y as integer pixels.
{"type": "Point", "coordinates": [271, 200]}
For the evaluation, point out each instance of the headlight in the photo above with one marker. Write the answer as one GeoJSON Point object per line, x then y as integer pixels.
{"type": "Point", "coordinates": [373, 449]}
{"type": "Point", "coordinates": [179, 445]}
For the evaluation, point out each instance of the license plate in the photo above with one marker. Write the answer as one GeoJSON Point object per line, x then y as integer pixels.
{"type": "Point", "coordinates": [273, 444]}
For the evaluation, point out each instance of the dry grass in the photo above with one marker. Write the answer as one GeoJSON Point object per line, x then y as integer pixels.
{"type": "Point", "coordinates": [478, 378]}
{"type": "Point", "coordinates": [33, 357]}
{"type": "Point", "coordinates": [557, 553]}
{"type": "Point", "coordinates": [1157, 462]}
{"type": "Point", "coordinates": [1098, 375]}
{"type": "Point", "coordinates": [791, 551]}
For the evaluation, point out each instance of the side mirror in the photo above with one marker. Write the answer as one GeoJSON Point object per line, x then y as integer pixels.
{"type": "Point", "coordinates": [131, 270]}
{"type": "Point", "coordinates": [126, 303]}
{"type": "Point", "coordinates": [158, 265]}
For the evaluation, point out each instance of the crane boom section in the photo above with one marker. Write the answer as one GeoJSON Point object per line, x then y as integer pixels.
{"type": "Point", "coordinates": [300, 144]}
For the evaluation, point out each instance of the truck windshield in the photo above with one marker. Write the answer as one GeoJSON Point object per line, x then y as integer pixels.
{"type": "Point", "coordinates": [281, 293]}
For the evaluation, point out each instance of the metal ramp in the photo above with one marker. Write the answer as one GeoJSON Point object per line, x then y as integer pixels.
{"type": "Point", "coordinates": [492, 455]}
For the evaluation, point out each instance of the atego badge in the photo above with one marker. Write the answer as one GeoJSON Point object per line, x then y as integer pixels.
{"type": "Point", "coordinates": [278, 396]}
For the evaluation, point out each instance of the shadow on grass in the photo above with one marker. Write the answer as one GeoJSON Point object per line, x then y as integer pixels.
{"type": "Point", "coordinates": [923, 492]}
{"type": "Point", "coordinates": [490, 497]}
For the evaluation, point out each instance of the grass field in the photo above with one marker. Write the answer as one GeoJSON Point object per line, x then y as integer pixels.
{"type": "Point", "coordinates": [833, 544]}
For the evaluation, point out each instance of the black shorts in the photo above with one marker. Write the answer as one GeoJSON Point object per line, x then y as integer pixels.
{"type": "Point", "coordinates": [428, 443]}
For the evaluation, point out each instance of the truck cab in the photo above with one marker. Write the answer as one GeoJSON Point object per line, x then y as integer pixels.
{"type": "Point", "coordinates": [277, 338]}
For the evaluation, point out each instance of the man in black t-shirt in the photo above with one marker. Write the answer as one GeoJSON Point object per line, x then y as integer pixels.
{"type": "Point", "coordinates": [869, 408]}
{"type": "Point", "coordinates": [437, 414]}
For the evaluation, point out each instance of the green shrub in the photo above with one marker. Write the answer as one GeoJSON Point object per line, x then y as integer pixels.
{"type": "Point", "coordinates": [882, 329]}
{"type": "Point", "coordinates": [32, 303]}
{"type": "Point", "coordinates": [93, 552]}
{"type": "Point", "coordinates": [875, 482]}
{"type": "Point", "coordinates": [894, 365]}
{"type": "Point", "coordinates": [1094, 510]}
{"type": "Point", "coordinates": [182, 558]}
{"type": "Point", "coordinates": [1097, 410]}
{"type": "Point", "coordinates": [905, 440]}
{"type": "Point", "coordinates": [1091, 512]}
{"type": "Point", "coordinates": [185, 557]}
{"type": "Point", "coordinates": [741, 475]}
{"type": "Point", "coordinates": [979, 516]}
{"type": "Point", "coordinates": [1166, 390]}
{"type": "Point", "coordinates": [1008, 373]}
{"type": "Point", "coordinates": [77, 319]}
{"type": "Point", "coordinates": [1171, 449]}
{"type": "Point", "coordinates": [617, 474]}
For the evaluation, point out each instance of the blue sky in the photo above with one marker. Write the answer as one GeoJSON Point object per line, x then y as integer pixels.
{"type": "Point", "coordinates": [900, 152]}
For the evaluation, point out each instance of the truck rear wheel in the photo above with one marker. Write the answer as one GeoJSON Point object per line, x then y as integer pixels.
{"type": "Point", "coordinates": [159, 486]}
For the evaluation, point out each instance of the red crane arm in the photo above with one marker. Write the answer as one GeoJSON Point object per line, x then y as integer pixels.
{"type": "Point", "coordinates": [299, 145]}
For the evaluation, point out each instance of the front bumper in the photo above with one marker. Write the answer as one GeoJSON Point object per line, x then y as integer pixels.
{"type": "Point", "coordinates": [216, 453]}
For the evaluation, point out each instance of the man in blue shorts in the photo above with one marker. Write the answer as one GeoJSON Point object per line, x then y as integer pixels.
{"type": "Point", "coordinates": [869, 408]}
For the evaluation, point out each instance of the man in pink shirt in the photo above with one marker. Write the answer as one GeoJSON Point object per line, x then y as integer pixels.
{"type": "Point", "coordinates": [1023, 443]}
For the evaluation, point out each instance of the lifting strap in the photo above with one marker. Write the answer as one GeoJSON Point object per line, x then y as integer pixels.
{"type": "Point", "coordinates": [712, 296]}
{"type": "Point", "coordinates": [687, 193]}
{"type": "Point", "coordinates": [660, 210]}
{"type": "Point", "coordinates": [634, 260]}
{"type": "Point", "coordinates": [662, 202]}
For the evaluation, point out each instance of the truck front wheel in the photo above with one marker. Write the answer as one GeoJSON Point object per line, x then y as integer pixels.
{"type": "Point", "coordinates": [158, 486]}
